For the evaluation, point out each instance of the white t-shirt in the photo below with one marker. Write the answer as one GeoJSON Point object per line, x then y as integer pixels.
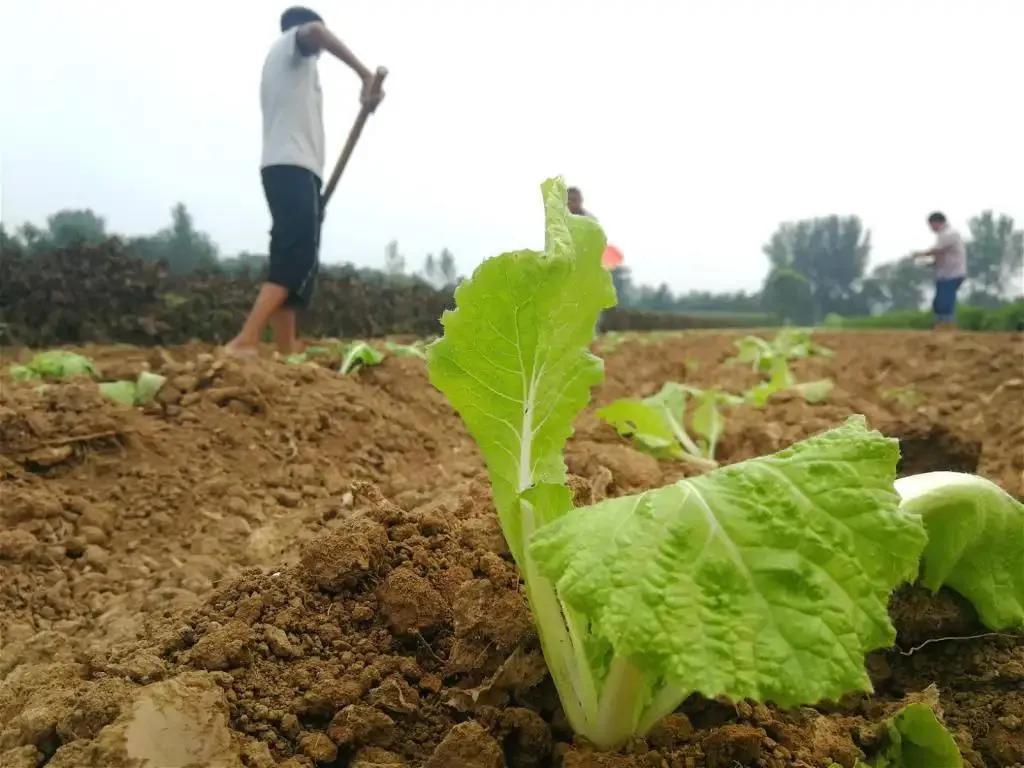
{"type": "Point", "coordinates": [292, 104]}
{"type": "Point", "coordinates": [950, 254]}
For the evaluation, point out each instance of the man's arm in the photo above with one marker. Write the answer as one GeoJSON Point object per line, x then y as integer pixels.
{"type": "Point", "coordinates": [315, 37]}
{"type": "Point", "coordinates": [942, 244]}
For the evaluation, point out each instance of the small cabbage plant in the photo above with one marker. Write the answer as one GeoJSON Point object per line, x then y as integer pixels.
{"type": "Point", "coordinates": [358, 355]}
{"type": "Point", "coordinates": [308, 355]}
{"type": "Point", "coordinates": [771, 358]}
{"type": "Point", "coordinates": [914, 737]}
{"type": "Point", "coordinates": [54, 364]}
{"type": "Point", "coordinates": [766, 580]}
{"type": "Point", "coordinates": [142, 391]}
{"type": "Point", "coordinates": [417, 349]}
{"type": "Point", "coordinates": [658, 425]}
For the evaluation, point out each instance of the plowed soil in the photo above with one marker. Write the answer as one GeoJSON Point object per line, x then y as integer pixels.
{"type": "Point", "coordinates": [281, 566]}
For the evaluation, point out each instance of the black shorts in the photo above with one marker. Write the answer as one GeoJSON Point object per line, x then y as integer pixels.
{"type": "Point", "coordinates": [293, 194]}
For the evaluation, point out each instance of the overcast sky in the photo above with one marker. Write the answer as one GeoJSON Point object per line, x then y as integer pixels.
{"type": "Point", "coordinates": [693, 128]}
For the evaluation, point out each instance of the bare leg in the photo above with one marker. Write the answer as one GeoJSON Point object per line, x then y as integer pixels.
{"type": "Point", "coordinates": [270, 298]}
{"type": "Point", "coordinates": [283, 323]}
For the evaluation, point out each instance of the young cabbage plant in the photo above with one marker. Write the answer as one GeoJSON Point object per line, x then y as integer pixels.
{"type": "Point", "coordinates": [789, 344]}
{"type": "Point", "coordinates": [914, 737]}
{"type": "Point", "coordinates": [657, 424]}
{"type": "Point", "coordinates": [54, 364]}
{"type": "Point", "coordinates": [417, 349]}
{"type": "Point", "coordinates": [766, 580]}
{"type": "Point", "coordinates": [755, 351]}
{"type": "Point", "coordinates": [707, 421]}
{"type": "Point", "coordinates": [780, 378]}
{"type": "Point", "coordinates": [610, 341]}
{"type": "Point", "coordinates": [142, 391]}
{"type": "Point", "coordinates": [359, 354]}
{"type": "Point", "coordinates": [816, 391]}
{"type": "Point", "coordinates": [975, 542]}
{"type": "Point", "coordinates": [906, 397]}
{"type": "Point", "coordinates": [308, 355]}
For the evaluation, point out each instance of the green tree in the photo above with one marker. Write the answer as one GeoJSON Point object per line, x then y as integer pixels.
{"type": "Point", "coordinates": [9, 243]}
{"type": "Point", "coordinates": [75, 227]}
{"type": "Point", "coordinates": [995, 255]}
{"type": "Point", "coordinates": [897, 285]}
{"type": "Point", "coordinates": [181, 246]}
{"type": "Point", "coordinates": [446, 267]}
{"type": "Point", "coordinates": [244, 262]}
{"type": "Point", "coordinates": [663, 300]}
{"type": "Point", "coordinates": [394, 262]}
{"type": "Point", "coordinates": [430, 273]}
{"type": "Point", "coordinates": [187, 248]}
{"type": "Point", "coordinates": [33, 238]}
{"type": "Point", "coordinates": [787, 295]}
{"type": "Point", "coordinates": [831, 252]}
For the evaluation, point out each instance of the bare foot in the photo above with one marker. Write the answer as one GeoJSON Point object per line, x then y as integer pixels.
{"type": "Point", "coordinates": [235, 348]}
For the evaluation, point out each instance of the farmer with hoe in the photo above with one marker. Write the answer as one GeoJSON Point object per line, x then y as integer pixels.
{"type": "Point", "coordinates": [292, 168]}
{"type": "Point", "coordinates": [949, 257]}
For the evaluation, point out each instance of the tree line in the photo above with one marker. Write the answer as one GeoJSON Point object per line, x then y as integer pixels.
{"type": "Point", "coordinates": [817, 267]}
{"type": "Point", "coordinates": [185, 249]}
{"type": "Point", "coordinates": [179, 245]}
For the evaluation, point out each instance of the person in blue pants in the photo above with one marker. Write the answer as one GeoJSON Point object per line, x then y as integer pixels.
{"type": "Point", "coordinates": [949, 257]}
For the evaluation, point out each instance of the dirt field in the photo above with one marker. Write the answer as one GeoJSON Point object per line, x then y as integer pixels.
{"type": "Point", "coordinates": [280, 566]}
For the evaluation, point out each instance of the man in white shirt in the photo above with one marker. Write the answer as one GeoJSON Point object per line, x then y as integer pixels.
{"type": "Point", "coordinates": [949, 256]}
{"type": "Point", "coordinates": [292, 167]}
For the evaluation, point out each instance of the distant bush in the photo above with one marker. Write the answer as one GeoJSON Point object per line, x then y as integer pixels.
{"type": "Point", "coordinates": [1008, 317]}
{"type": "Point", "coordinates": [105, 292]}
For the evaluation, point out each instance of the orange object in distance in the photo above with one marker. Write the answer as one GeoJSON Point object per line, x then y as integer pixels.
{"type": "Point", "coordinates": [612, 257]}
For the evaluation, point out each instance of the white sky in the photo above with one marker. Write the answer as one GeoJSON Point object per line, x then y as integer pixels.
{"type": "Point", "coordinates": [693, 128]}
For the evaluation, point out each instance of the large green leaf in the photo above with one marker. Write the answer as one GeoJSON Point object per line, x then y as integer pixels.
{"type": "Point", "coordinates": [767, 579]}
{"type": "Point", "coordinates": [975, 541]}
{"type": "Point", "coordinates": [918, 740]}
{"type": "Point", "coordinates": [514, 359]}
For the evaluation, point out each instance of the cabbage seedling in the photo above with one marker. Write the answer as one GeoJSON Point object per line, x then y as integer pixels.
{"type": "Point", "coordinates": [772, 358]}
{"type": "Point", "coordinates": [766, 580]}
{"type": "Point", "coordinates": [657, 424]}
{"type": "Point", "coordinates": [417, 349]}
{"type": "Point", "coordinates": [54, 364]}
{"type": "Point", "coordinates": [142, 391]}
{"type": "Point", "coordinates": [359, 354]}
